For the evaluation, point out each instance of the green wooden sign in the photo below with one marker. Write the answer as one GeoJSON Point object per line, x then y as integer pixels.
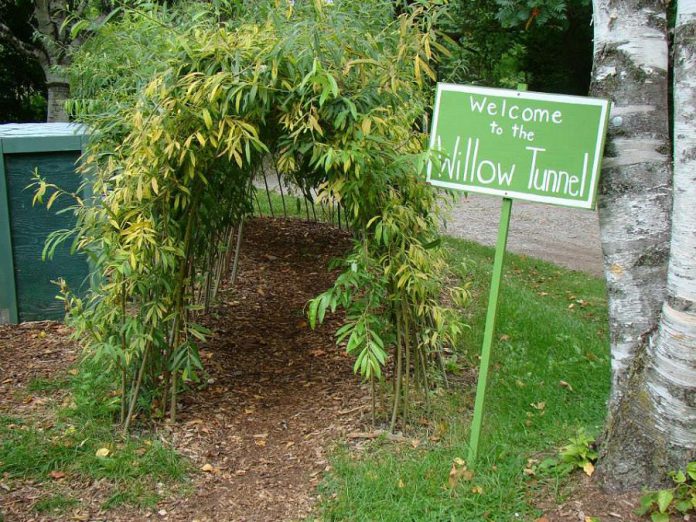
{"type": "Point", "coordinates": [518, 144]}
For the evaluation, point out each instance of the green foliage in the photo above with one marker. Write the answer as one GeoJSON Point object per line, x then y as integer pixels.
{"type": "Point", "coordinates": [579, 453]}
{"type": "Point", "coordinates": [679, 499]}
{"type": "Point", "coordinates": [485, 53]}
{"type": "Point", "coordinates": [513, 13]}
{"type": "Point", "coordinates": [110, 70]}
{"type": "Point", "coordinates": [330, 96]}
{"type": "Point", "coordinates": [546, 44]}
{"type": "Point", "coordinates": [22, 84]}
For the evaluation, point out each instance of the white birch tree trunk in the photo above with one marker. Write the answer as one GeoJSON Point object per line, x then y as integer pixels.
{"type": "Point", "coordinates": [651, 426]}
{"type": "Point", "coordinates": [671, 372]}
{"type": "Point", "coordinates": [630, 68]}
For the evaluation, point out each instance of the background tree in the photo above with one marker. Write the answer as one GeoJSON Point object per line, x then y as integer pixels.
{"type": "Point", "coordinates": [651, 426]}
{"type": "Point", "coordinates": [22, 85]}
{"type": "Point", "coordinates": [59, 28]}
{"type": "Point", "coordinates": [505, 42]}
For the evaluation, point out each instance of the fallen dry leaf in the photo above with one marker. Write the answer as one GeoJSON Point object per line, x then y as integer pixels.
{"type": "Point", "coordinates": [588, 468]}
{"type": "Point", "coordinates": [457, 473]}
{"type": "Point", "coordinates": [453, 477]}
{"type": "Point", "coordinates": [616, 269]}
{"type": "Point", "coordinates": [102, 452]}
{"type": "Point", "coordinates": [564, 384]}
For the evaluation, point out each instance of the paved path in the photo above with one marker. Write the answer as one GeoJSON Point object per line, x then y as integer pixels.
{"type": "Point", "coordinates": [565, 236]}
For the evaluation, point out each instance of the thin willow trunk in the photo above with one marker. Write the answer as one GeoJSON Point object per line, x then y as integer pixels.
{"type": "Point", "coordinates": [397, 369]}
{"type": "Point", "coordinates": [651, 427]}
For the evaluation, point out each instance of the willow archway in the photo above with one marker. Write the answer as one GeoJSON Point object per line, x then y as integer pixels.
{"type": "Point", "coordinates": [335, 105]}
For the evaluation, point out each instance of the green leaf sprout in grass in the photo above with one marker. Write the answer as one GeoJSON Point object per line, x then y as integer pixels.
{"type": "Point", "coordinates": [680, 498]}
{"type": "Point", "coordinates": [580, 453]}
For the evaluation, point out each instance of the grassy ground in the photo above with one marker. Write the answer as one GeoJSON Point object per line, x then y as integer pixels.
{"type": "Point", "coordinates": [274, 204]}
{"type": "Point", "coordinates": [75, 441]}
{"type": "Point", "coordinates": [549, 377]}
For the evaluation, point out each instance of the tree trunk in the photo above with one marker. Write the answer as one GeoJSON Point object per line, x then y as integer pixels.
{"type": "Point", "coordinates": [58, 94]}
{"type": "Point", "coordinates": [651, 427]}
{"type": "Point", "coordinates": [671, 375]}
{"type": "Point", "coordinates": [53, 53]}
{"type": "Point", "coordinates": [630, 67]}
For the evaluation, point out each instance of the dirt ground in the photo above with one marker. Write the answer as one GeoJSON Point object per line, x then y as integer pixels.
{"type": "Point", "coordinates": [565, 236]}
{"type": "Point", "coordinates": [280, 394]}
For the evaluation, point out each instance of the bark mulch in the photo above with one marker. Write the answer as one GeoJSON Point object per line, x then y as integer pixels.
{"type": "Point", "coordinates": [585, 501]}
{"type": "Point", "coordinates": [278, 394]}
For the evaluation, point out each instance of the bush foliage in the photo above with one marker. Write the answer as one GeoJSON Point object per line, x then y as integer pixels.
{"type": "Point", "coordinates": [186, 106]}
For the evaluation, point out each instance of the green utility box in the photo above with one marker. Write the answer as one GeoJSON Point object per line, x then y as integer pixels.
{"type": "Point", "coordinates": [26, 289]}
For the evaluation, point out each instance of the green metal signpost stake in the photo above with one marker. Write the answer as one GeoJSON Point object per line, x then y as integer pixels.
{"type": "Point", "coordinates": [489, 331]}
{"type": "Point", "coordinates": [490, 327]}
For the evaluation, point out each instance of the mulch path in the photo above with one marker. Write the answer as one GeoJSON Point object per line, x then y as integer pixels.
{"type": "Point", "coordinates": [279, 394]}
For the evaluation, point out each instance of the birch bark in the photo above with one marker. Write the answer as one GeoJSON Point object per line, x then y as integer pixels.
{"type": "Point", "coordinates": [671, 372]}
{"type": "Point", "coordinates": [651, 426]}
{"type": "Point", "coordinates": [630, 68]}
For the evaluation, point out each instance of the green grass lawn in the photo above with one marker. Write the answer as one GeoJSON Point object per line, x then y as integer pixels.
{"type": "Point", "coordinates": [63, 445]}
{"type": "Point", "coordinates": [549, 377]}
{"type": "Point", "coordinates": [273, 204]}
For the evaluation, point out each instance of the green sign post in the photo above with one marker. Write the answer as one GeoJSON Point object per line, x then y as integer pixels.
{"type": "Point", "coordinates": [524, 145]}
